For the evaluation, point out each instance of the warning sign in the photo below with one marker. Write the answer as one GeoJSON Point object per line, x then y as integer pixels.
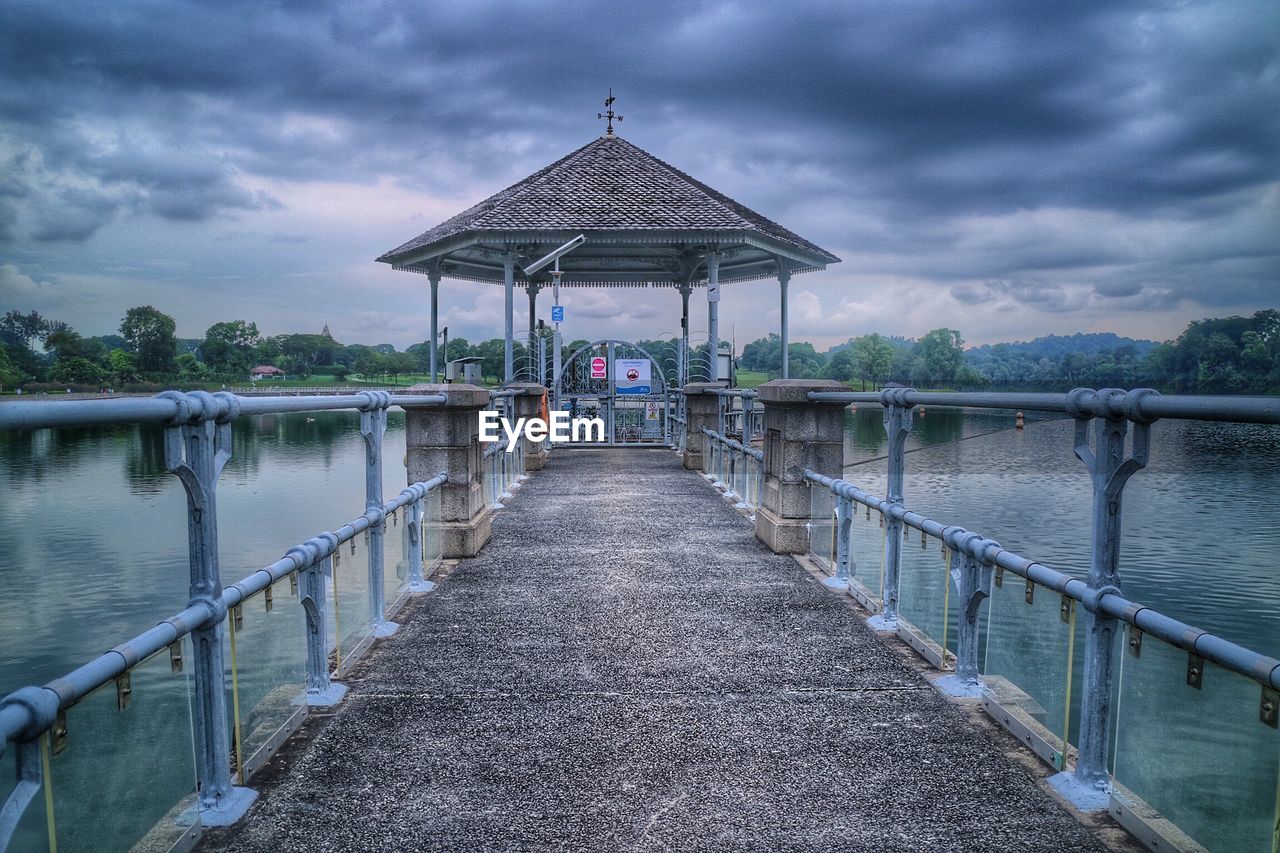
{"type": "Point", "coordinates": [599, 368]}
{"type": "Point", "coordinates": [652, 410]}
{"type": "Point", "coordinates": [632, 376]}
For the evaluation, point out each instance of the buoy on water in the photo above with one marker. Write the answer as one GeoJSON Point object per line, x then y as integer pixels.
{"type": "Point", "coordinates": [1019, 421]}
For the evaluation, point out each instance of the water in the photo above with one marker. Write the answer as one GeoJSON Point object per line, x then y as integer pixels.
{"type": "Point", "coordinates": [93, 550]}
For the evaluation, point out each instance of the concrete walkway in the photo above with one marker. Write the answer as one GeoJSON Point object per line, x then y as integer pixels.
{"type": "Point", "coordinates": [626, 667]}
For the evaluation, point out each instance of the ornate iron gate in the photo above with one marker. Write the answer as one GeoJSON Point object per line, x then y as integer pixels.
{"type": "Point", "coordinates": [585, 391]}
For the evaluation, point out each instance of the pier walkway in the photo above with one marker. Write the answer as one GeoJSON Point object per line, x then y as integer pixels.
{"type": "Point", "coordinates": [625, 666]}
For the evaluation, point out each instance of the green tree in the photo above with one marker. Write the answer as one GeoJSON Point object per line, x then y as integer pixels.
{"type": "Point", "coordinates": [20, 330]}
{"type": "Point", "coordinates": [77, 370]}
{"type": "Point", "coordinates": [121, 366]}
{"type": "Point", "coordinates": [228, 347]}
{"type": "Point", "coordinates": [9, 374]}
{"type": "Point", "coordinates": [872, 359]}
{"type": "Point", "coordinates": [189, 367]}
{"type": "Point", "coordinates": [938, 357]}
{"type": "Point", "coordinates": [151, 334]}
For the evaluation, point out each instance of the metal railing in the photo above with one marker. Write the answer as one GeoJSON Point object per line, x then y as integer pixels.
{"type": "Point", "coordinates": [973, 570]}
{"type": "Point", "coordinates": [197, 446]}
{"type": "Point", "coordinates": [736, 469]}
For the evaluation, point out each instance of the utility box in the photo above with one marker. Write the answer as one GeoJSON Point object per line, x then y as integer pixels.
{"type": "Point", "coordinates": [463, 370]}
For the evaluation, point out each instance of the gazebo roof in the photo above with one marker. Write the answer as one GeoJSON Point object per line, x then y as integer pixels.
{"type": "Point", "coordinates": [646, 222]}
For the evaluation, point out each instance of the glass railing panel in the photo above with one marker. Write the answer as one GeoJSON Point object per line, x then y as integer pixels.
{"type": "Point", "coordinates": [32, 831]}
{"type": "Point", "coordinates": [1202, 758]}
{"type": "Point", "coordinates": [126, 776]}
{"type": "Point", "coordinates": [432, 536]}
{"type": "Point", "coordinates": [349, 599]}
{"type": "Point", "coordinates": [1030, 656]}
{"type": "Point", "coordinates": [822, 505]}
{"type": "Point", "coordinates": [395, 559]}
{"type": "Point", "coordinates": [925, 588]}
{"type": "Point", "coordinates": [266, 640]}
{"type": "Point", "coordinates": [866, 549]}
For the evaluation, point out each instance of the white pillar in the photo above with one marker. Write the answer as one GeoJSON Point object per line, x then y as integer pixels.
{"type": "Point", "coordinates": [784, 278]}
{"type": "Point", "coordinates": [682, 362]}
{"type": "Point", "coordinates": [434, 278]}
{"type": "Point", "coordinates": [509, 278]}
{"type": "Point", "coordinates": [713, 312]}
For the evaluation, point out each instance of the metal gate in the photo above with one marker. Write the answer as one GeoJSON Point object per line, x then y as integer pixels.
{"type": "Point", "coordinates": [630, 416]}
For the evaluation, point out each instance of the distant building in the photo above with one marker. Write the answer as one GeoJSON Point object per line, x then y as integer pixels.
{"type": "Point", "coordinates": [266, 371]}
{"type": "Point", "coordinates": [325, 332]}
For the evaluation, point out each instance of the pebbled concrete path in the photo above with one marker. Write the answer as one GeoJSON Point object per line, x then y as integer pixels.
{"type": "Point", "coordinates": [626, 668]}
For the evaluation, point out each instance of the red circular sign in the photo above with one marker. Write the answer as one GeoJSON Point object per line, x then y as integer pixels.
{"type": "Point", "coordinates": [633, 374]}
{"type": "Point", "coordinates": [597, 363]}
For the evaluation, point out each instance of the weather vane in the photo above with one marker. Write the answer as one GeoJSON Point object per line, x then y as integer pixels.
{"type": "Point", "coordinates": [609, 113]}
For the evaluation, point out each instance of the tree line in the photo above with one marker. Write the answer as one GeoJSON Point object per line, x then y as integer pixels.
{"type": "Point", "coordinates": [1239, 355]}
{"type": "Point", "coordinates": [1229, 355]}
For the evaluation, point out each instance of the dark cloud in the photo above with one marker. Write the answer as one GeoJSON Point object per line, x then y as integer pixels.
{"type": "Point", "coordinates": [1040, 154]}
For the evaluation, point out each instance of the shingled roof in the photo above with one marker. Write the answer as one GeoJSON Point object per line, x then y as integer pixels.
{"type": "Point", "coordinates": [619, 195]}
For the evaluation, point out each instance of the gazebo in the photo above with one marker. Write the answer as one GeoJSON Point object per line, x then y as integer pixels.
{"type": "Point", "coordinates": [646, 224]}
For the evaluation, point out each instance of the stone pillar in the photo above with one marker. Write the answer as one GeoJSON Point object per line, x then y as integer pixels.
{"type": "Point", "coordinates": [529, 404]}
{"type": "Point", "coordinates": [798, 434]}
{"type": "Point", "coordinates": [702, 409]}
{"type": "Point", "coordinates": [447, 438]}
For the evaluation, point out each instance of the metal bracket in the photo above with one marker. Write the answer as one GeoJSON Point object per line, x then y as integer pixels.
{"type": "Point", "coordinates": [924, 540]}
{"type": "Point", "coordinates": [293, 583]}
{"type": "Point", "coordinates": [1269, 708]}
{"type": "Point", "coordinates": [1195, 671]}
{"type": "Point", "coordinates": [124, 690]}
{"type": "Point", "coordinates": [58, 733]}
{"type": "Point", "coordinates": [237, 616]}
{"type": "Point", "coordinates": [999, 577]}
{"type": "Point", "coordinates": [1064, 612]}
{"type": "Point", "coordinates": [1031, 591]}
{"type": "Point", "coordinates": [1135, 641]}
{"type": "Point", "coordinates": [267, 598]}
{"type": "Point", "coordinates": [175, 657]}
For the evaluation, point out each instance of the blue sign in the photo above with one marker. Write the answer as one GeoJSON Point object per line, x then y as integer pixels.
{"type": "Point", "coordinates": [557, 313]}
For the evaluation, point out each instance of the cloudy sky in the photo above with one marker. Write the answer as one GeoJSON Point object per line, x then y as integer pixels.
{"type": "Point", "coordinates": [1007, 168]}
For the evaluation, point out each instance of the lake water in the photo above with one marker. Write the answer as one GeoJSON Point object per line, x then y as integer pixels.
{"type": "Point", "coordinates": [93, 550]}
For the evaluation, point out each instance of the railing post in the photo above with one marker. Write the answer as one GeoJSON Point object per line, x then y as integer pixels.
{"type": "Point", "coordinates": [373, 425]}
{"type": "Point", "coordinates": [528, 403]}
{"type": "Point", "coordinates": [446, 438]}
{"type": "Point", "coordinates": [701, 408]}
{"type": "Point", "coordinates": [972, 577]}
{"type": "Point", "coordinates": [415, 533]}
{"type": "Point", "coordinates": [897, 426]}
{"type": "Point", "coordinates": [844, 519]}
{"type": "Point", "coordinates": [1110, 467]}
{"type": "Point", "coordinates": [197, 446]}
{"type": "Point", "coordinates": [798, 434]}
{"type": "Point", "coordinates": [313, 591]}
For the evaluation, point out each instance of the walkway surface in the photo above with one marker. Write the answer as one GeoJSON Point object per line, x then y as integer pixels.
{"type": "Point", "coordinates": [626, 668]}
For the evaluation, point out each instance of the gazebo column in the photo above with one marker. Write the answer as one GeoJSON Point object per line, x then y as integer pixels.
{"type": "Point", "coordinates": [509, 279]}
{"type": "Point", "coordinates": [434, 277]}
{"type": "Point", "coordinates": [532, 290]}
{"type": "Point", "coordinates": [784, 278]}
{"type": "Point", "coordinates": [713, 313]}
{"type": "Point", "coordinates": [682, 363]}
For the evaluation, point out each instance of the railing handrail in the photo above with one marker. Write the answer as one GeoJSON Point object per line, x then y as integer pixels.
{"type": "Point", "coordinates": [755, 453]}
{"type": "Point", "coordinates": [1261, 668]}
{"type": "Point", "coordinates": [1141, 405]}
{"type": "Point", "coordinates": [19, 718]}
{"type": "Point", "coordinates": [175, 406]}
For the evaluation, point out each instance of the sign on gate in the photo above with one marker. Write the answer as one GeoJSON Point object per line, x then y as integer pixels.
{"type": "Point", "coordinates": [631, 376]}
{"type": "Point", "coordinates": [652, 410]}
{"type": "Point", "coordinates": [557, 313]}
{"type": "Point", "coordinates": [599, 368]}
